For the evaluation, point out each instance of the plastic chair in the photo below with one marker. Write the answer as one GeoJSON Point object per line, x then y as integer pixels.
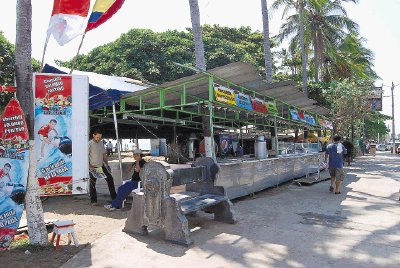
{"type": "Point", "coordinates": [64, 227]}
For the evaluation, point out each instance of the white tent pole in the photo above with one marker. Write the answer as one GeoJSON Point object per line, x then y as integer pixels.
{"type": "Point", "coordinates": [118, 143]}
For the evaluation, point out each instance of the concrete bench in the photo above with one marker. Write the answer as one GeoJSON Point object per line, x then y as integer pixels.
{"type": "Point", "coordinates": [156, 207]}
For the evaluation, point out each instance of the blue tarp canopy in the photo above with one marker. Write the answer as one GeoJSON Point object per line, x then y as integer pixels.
{"type": "Point", "coordinates": [98, 97]}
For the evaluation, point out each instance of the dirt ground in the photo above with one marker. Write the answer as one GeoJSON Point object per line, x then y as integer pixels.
{"type": "Point", "coordinates": [91, 223]}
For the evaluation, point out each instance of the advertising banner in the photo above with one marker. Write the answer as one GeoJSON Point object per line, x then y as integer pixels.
{"type": "Point", "coordinates": [374, 99]}
{"type": "Point", "coordinates": [271, 107]}
{"type": "Point", "coordinates": [325, 123]}
{"type": "Point", "coordinates": [243, 101]}
{"type": "Point", "coordinates": [14, 165]}
{"type": "Point", "coordinates": [309, 119]}
{"type": "Point", "coordinates": [374, 105]}
{"type": "Point", "coordinates": [294, 115]}
{"type": "Point", "coordinates": [301, 116]}
{"type": "Point", "coordinates": [60, 132]}
{"type": "Point", "coordinates": [224, 94]}
{"type": "Point", "coordinates": [259, 105]}
{"type": "Point", "coordinates": [226, 143]}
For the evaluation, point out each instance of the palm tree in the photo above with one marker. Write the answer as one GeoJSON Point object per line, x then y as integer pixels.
{"type": "Point", "coordinates": [298, 5]}
{"type": "Point", "coordinates": [201, 64]}
{"type": "Point", "coordinates": [349, 60]}
{"type": "Point", "coordinates": [23, 73]}
{"type": "Point", "coordinates": [326, 27]}
{"type": "Point", "coordinates": [198, 36]}
{"type": "Point", "coordinates": [267, 47]}
{"type": "Point", "coordinates": [328, 24]}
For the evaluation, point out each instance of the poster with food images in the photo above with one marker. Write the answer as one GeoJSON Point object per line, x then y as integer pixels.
{"type": "Point", "coordinates": [53, 125]}
{"type": "Point", "coordinates": [14, 165]}
{"type": "Point", "coordinates": [61, 133]}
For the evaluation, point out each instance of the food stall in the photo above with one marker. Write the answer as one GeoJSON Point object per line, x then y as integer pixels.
{"type": "Point", "coordinates": [245, 116]}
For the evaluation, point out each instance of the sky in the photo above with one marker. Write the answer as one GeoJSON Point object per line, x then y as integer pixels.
{"type": "Point", "coordinates": [378, 21]}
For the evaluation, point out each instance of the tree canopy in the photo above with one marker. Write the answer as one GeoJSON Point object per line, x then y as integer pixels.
{"type": "Point", "coordinates": [147, 55]}
{"type": "Point", "coordinates": [7, 61]}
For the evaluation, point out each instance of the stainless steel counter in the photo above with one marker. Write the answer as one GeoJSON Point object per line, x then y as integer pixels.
{"type": "Point", "coordinates": [242, 177]}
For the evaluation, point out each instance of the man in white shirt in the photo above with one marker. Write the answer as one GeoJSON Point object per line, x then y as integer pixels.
{"type": "Point", "coordinates": [98, 155]}
{"type": "Point", "coordinates": [109, 148]}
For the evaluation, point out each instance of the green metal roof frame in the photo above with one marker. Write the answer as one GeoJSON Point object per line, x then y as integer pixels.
{"type": "Point", "coordinates": [173, 104]}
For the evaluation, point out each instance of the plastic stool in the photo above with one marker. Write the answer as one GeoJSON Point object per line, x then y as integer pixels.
{"type": "Point", "coordinates": [64, 227]}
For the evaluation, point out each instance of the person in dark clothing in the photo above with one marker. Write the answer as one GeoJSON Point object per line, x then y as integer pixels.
{"type": "Point", "coordinates": [324, 146]}
{"type": "Point", "coordinates": [125, 189]}
{"type": "Point", "coordinates": [349, 147]}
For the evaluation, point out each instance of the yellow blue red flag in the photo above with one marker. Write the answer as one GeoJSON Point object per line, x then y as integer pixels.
{"type": "Point", "coordinates": [102, 11]}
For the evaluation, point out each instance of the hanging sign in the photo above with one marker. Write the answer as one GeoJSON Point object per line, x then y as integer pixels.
{"type": "Point", "coordinates": [224, 94]}
{"type": "Point", "coordinates": [14, 165]}
{"type": "Point", "coordinates": [61, 133]}
{"type": "Point", "coordinates": [374, 99]}
{"type": "Point", "coordinates": [259, 105]}
{"type": "Point", "coordinates": [373, 105]}
{"type": "Point", "coordinates": [271, 107]}
{"type": "Point", "coordinates": [294, 115]}
{"type": "Point", "coordinates": [309, 119]}
{"type": "Point", "coordinates": [301, 116]}
{"type": "Point", "coordinates": [325, 123]}
{"type": "Point", "coordinates": [243, 101]}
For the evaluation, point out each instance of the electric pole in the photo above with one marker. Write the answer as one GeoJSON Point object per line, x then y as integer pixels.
{"type": "Point", "coordinates": [393, 125]}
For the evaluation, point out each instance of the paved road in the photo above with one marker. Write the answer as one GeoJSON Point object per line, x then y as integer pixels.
{"type": "Point", "coordinates": [289, 226]}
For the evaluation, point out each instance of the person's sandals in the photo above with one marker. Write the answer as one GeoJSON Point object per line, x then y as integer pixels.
{"type": "Point", "coordinates": [331, 189]}
{"type": "Point", "coordinates": [337, 192]}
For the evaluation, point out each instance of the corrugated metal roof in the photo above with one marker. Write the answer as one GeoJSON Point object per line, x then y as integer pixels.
{"type": "Point", "coordinates": [242, 74]}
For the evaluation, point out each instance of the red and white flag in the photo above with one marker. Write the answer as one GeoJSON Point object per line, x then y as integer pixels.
{"type": "Point", "coordinates": [68, 20]}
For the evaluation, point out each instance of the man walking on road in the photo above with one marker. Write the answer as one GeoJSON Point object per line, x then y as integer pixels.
{"type": "Point", "coordinates": [335, 154]}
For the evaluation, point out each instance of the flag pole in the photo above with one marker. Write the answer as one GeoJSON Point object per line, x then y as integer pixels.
{"type": "Point", "coordinates": [77, 54]}
{"type": "Point", "coordinates": [44, 51]}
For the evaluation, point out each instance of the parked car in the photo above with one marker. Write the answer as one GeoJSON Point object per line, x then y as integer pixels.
{"type": "Point", "coordinates": [381, 147]}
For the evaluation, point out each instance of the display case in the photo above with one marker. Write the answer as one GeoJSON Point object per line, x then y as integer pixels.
{"type": "Point", "coordinates": [289, 148]}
